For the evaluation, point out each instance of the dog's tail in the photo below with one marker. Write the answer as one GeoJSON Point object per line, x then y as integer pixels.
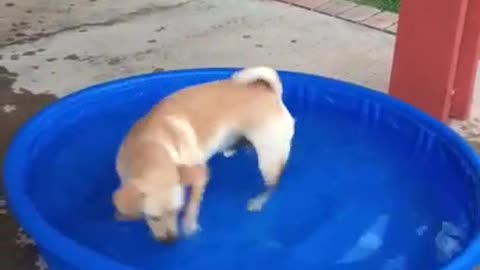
{"type": "Point", "coordinates": [263, 75]}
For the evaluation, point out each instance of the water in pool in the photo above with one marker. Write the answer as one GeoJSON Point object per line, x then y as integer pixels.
{"type": "Point", "coordinates": [354, 196]}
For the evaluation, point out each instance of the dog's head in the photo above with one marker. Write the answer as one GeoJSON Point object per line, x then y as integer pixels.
{"type": "Point", "coordinates": [159, 202]}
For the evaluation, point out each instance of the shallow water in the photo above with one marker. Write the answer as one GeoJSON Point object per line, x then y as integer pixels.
{"type": "Point", "coordinates": [357, 194]}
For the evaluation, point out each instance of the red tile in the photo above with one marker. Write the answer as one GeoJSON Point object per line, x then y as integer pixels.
{"type": "Point", "coordinates": [335, 7]}
{"type": "Point", "coordinates": [393, 28]}
{"type": "Point", "coordinates": [310, 4]}
{"type": "Point", "coordinates": [359, 13]}
{"type": "Point", "coordinates": [382, 20]}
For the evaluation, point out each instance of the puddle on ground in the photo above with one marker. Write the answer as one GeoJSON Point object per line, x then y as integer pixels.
{"type": "Point", "coordinates": [16, 107]}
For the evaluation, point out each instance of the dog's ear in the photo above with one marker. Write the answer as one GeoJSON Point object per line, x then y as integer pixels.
{"type": "Point", "coordinates": [127, 199]}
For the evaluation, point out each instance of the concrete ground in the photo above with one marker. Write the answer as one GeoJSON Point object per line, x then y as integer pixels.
{"type": "Point", "coordinates": [51, 48]}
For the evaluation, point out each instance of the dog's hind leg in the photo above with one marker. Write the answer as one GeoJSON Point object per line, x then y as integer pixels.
{"type": "Point", "coordinates": [272, 145]}
{"type": "Point", "coordinates": [271, 166]}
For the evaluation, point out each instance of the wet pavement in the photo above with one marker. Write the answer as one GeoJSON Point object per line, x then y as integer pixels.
{"type": "Point", "coordinates": [17, 251]}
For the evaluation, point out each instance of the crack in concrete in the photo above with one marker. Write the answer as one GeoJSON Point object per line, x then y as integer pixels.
{"type": "Point", "coordinates": [123, 18]}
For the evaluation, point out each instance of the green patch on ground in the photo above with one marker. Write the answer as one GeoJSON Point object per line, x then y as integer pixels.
{"type": "Point", "coordinates": [389, 5]}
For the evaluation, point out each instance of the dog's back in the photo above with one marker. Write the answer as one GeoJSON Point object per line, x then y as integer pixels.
{"type": "Point", "coordinates": [219, 113]}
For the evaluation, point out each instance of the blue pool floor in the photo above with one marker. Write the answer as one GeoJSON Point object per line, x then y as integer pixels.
{"type": "Point", "coordinates": [353, 197]}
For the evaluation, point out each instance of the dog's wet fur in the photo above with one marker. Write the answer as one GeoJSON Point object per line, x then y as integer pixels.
{"type": "Point", "coordinates": [167, 151]}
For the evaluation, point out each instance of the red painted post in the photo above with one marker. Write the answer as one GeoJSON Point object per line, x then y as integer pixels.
{"type": "Point", "coordinates": [426, 54]}
{"type": "Point", "coordinates": [467, 63]}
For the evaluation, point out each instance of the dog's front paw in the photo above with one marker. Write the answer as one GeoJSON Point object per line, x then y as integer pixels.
{"type": "Point", "coordinates": [190, 227]}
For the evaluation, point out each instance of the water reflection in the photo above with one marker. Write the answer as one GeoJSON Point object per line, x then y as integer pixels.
{"type": "Point", "coordinates": [396, 263]}
{"type": "Point", "coordinates": [449, 241]}
{"type": "Point", "coordinates": [368, 243]}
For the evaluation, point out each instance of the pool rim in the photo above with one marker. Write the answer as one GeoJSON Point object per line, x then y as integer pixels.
{"type": "Point", "coordinates": [66, 249]}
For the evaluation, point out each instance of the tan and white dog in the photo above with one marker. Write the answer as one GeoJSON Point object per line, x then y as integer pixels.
{"type": "Point", "coordinates": [168, 149]}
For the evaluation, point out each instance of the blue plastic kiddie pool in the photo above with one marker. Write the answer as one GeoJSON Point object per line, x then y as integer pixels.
{"type": "Point", "coordinates": [372, 184]}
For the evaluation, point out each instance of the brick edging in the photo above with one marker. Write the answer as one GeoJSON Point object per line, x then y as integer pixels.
{"type": "Point", "coordinates": [350, 11]}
